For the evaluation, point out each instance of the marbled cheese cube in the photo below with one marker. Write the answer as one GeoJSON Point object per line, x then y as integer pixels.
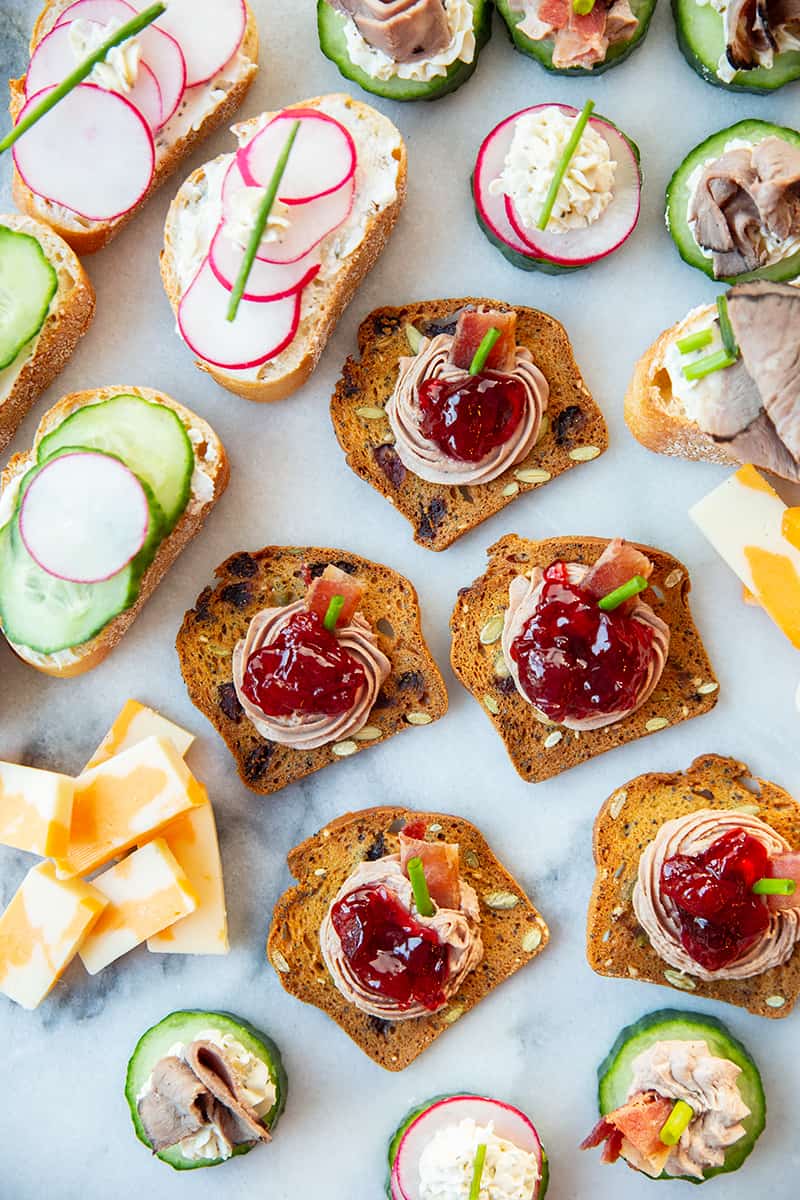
{"type": "Point", "coordinates": [35, 810]}
{"type": "Point", "coordinates": [135, 723]}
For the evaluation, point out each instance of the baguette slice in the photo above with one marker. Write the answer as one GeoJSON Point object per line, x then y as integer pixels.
{"type": "Point", "coordinates": [210, 458]}
{"type": "Point", "coordinates": [324, 300]}
{"type": "Point", "coordinates": [414, 694]}
{"type": "Point", "coordinates": [84, 236]}
{"type": "Point", "coordinates": [512, 930]}
{"type": "Point", "coordinates": [70, 315]}
{"type": "Point", "coordinates": [573, 429]}
{"type": "Point", "coordinates": [617, 946]}
{"type": "Point", "coordinates": [686, 689]}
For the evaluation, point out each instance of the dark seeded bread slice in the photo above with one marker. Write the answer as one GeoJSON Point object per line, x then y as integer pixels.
{"type": "Point", "coordinates": [414, 694]}
{"type": "Point", "coordinates": [513, 932]}
{"type": "Point", "coordinates": [628, 821]}
{"type": "Point", "coordinates": [687, 688]}
{"type": "Point", "coordinates": [574, 430]}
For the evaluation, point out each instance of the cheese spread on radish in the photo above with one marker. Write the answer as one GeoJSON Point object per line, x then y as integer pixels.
{"type": "Point", "coordinates": [447, 1162]}
{"type": "Point", "coordinates": [120, 69]}
{"type": "Point", "coordinates": [378, 65]}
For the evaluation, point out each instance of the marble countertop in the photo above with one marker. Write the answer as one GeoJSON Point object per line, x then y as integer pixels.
{"type": "Point", "coordinates": [537, 1041]}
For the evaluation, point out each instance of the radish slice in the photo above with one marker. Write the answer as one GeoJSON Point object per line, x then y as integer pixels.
{"type": "Point", "coordinates": [323, 157]}
{"type": "Point", "coordinates": [308, 223]}
{"type": "Point", "coordinates": [262, 329]}
{"type": "Point", "coordinates": [509, 1123]}
{"type": "Point", "coordinates": [54, 58]}
{"type": "Point", "coordinates": [92, 153]}
{"type": "Point", "coordinates": [491, 159]}
{"type": "Point", "coordinates": [160, 52]}
{"type": "Point", "coordinates": [394, 1186]}
{"type": "Point", "coordinates": [266, 281]}
{"type": "Point", "coordinates": [208, 39]}
{"type": "Point", "coordinates": [84, 517]}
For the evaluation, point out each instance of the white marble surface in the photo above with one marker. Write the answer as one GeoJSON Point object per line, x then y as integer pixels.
{"type": "Point", "coordinates": [64, 1128]}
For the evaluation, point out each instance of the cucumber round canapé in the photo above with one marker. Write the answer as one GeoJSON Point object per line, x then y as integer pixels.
{"type": "Point", "coordinates": [28, 283]}
{"type": "Point", "coordinates": [679, 196]}
{"type": "Point", "coordinates": [331, 26]}
{"type": "Point", "coordinates": [181, 1028]}
{"type": "Point", "coordinates": [701, 37]}
{"type": "Point", "coordinates": [542, 50]}
{"type": "Point", "coordinates": [616, 1072]}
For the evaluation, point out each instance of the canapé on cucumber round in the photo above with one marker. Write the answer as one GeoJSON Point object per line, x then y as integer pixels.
{"type": "Point", "coordinates": [331, 28]}
{"type": "Point", "coordinates": [615, 1073]}
{"type": "Point", "coordinates": [184, 1027]}
{"type": "Point", "coordinates": [701, 38]}
{"type": "Point", "coordinates": [542, 50]}
{"type": "Point", "coordinates": [28, 283]}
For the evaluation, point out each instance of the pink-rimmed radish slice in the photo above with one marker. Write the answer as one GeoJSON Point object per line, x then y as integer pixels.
{"type": "Point", "coordinates": [261, 330]}
{"type": "Point", "coordinates": [308, 223]}
{"type": "Point", "coordinates": [394, 1186]}
{"type": "Point", "coordinates": [266, 281]}
{"type": "Point", "coordinates": [54, 58]}
{"type": "Point", "coordinates": [509, 1123]}
{"type": "Point", "coordinates": [84, 517]}
{"type": "Point", "coordinates": [488, 167]}
{"type": "Point", "coordinates": [323, 157]}
{"type": "Point", "coordinates": [208, 34]}
{"type": "Point", "coordinates": [160, 52]}
{"type": "Point", "coordinates": [93, 153]}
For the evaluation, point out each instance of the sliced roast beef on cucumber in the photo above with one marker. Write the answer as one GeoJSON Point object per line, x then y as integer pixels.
{"type": "Point", "coordinates": [616, 1071]}
{"type": "Point", "coordinates": [701, 37]}
{"type": "Point", "coordinates": [331, 26]}
{"type": "Point", "coordinates": [542, 50]}
{"type": "Point", "coordinates": [28, 283]}
{"type": "Point", "coordinates": [181, 1029]}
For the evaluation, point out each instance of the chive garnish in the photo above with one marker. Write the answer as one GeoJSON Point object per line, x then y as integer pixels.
{"type": "Point", "coordinates": [262, 216]}
{"type": "Point", "coordinates": [708, 365]}
{"type": "Point", "coordinates": [422, 897]}
{"type": "Point", "coordinates": [624, 592]}
{"type": "Point", "coordinates": [775, 887]}
{"type": "Point", "coordinates": [477, 1172]}
{"type": "Point", "coordinates": [695, 341]}
{"type": "Point", "coordinates": [677, 1121]}
{"type": "Point", "coordinates": [582, 7]}
{"type": "Point", "coordinates": [488, 341]}
{"type": "Point", "coordinates": [564, 161]}
{"type": "Point", "coordinates": [332, 615]}
{"type": "Point", "coordinates": [128, 30]}
{"type": "Point", "coordinates": [725, 328]}
{"type": "Point", "coordinates": [413, 337]}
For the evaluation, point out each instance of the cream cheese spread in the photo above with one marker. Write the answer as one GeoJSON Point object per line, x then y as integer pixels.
{"type": "Point", "coordinates": [447, 1162]}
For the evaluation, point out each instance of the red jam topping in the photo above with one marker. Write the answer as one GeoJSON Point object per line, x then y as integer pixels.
{"type": "Point", "coordinates": [468, 418]}
{"type": "Point", "coordinates": [305, 670]}
{"type": "Point", "coordinates": [577, 661]}
{"type": "Point", "coordinates": [391, 953]}
{"type": "Point", "coordinates": [720, 917]}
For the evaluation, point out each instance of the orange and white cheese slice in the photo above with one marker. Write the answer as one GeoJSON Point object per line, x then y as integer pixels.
{"type": "Point", "coordinates": [759, 537]}
{"type": "Point", "coordinates": [35, 809]}
{"type": "Point", "coordinates": [41, 930]}
{"type": "Point", "coordinates": [124, 801]}
{"type": "Point", "coordinates": [146, 892]}
{"type": "Point", "coordinates": [135, 723]}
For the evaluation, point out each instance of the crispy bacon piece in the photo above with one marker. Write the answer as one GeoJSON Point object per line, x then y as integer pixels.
{"type": "Point", "coordinates": [440, 861]}
{"type": "Point", "coordinates": [633, 1131]}
{"type": "Point", "coordinates": [786, 866]}
{"type": "Point", "coordinates": [603, 1132]}
{"type": "Point", "coordinates": [618, 563]}
{"type": "Point", "coordinates": [334, 582]}
{"type": "Point", "coordinates": [471, 329]}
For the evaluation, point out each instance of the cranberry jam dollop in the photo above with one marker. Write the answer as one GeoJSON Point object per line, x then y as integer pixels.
{"type": "Point", "coordinates": [389, 951]}
{"type": "Point", "coordinates": [576, 661]}
{"type": "Point", "coordinates": [468, 418]}
{"type": "Point", "coordinates": [304, 670]}
{"type": "Point", "coordinates": [719, 916]}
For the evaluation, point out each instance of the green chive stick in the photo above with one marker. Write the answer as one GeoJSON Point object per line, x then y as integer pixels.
{"type": "Point", "coordinates": [480, 356]}
{"type": "Point", "coordinates": [678, 1120]}
{"type": "Point", "coordinates": [477, 1172]}
{"type": "Point", "coordinates": [695, 341]}
{"type": "Point", "coordinates": [422, 897]}
{"type": "Point", "coordinates": [775, 887]}
{"type": "Point", "coordinates": [332, 615]}
{"type": "Point", "coordinates": [582, 7]}
{"type": "Point", "coordinates": [565, 160]}
{"type": "Point", "coordinates": [726, 329]}
{"type": "Point", "coordinates": [624, 592]}
{"type": "Point", "coordinates": [717, 361]}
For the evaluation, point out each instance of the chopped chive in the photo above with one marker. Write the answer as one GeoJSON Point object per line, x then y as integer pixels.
{"type": "Point", "coordinates": [262, 216]}
{"type": "Point", "coordinates": [582, 7]}
{"type": "Point", "coordinates": [695, 341]}
{"type": "Point", "coordinates": [726, 329]}
{"type": "Point", "coordinates": [332, 615]}
{"type": "Point", "coordinates": [490, 338]}
{"type": "Point", "coordinates": [422, 897]}
{"type": "Point", "coordinates": [775, 887]}
{"type": "Point", "coordinates": [624, 592]}
{"type": "Point", "coordinates": [128, 30]}
{"type": "Point", "coordinates": [477, 1172]}
{"type": "Point", "coordinates": [678, 1120]}
{"type": "Point", "coordinates": [564, 161]}
{"type": "Point", "coordinates": [708, 365]}
{"type": "Point", "coordinates": [413, 337]}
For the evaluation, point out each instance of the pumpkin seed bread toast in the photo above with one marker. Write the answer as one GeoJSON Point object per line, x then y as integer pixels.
{"type": "Point", "coordinates": [573, 429]}
{"type": "Point", "coordinates": [617, 946]}
{"type": "Point", "coordinates": [512, 930]}
{"type": "Point", "coordinates": [538, 750]}
{"type": "Point", "coordinates": [414, 694]}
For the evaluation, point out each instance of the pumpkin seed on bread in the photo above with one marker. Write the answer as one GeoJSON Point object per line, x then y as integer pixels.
{"type": "Point", "coordinates": [617, 946]}
{"type": "Point", "coordinates": [539, 750]}
{"type": "Point", "coordinates": [512, 930]}
{"type": "Point", "coordinates": [573, 429]}
{"type": "Point", "coordinates": [414, 694]}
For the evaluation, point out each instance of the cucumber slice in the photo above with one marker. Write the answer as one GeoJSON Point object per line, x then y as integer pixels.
{"type": "Point", "coordinates": [149, 438]}
{"type": "Point", "coordinates": [184, 1027]}
{"type": "Point", "coordinates": [752, 131]}
{"type": "Point", "coordinates": [701, 38]}
{"type": "Point", "coordinates": [28, 283]}
{"type": "Point", "coordinates": [331, 25]}
{"type": "Point", "coordinates": [543, 51]}
{"type": "Point", "coordinates": [616, 1072]}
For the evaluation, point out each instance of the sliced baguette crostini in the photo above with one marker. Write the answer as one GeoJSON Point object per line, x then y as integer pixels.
{"type": "Point", "coordinates": [572, 431]}
{"type": "Point", "coordinates": [209, 480]}
{"type": "Point", "coordinates": [617, 946]}
{"type": "Point", "coordinates": [540, 749]}
{"type": "Point", "coordinates": [512, 930]}
{"type": "Point", "coordinates": [346, 253]}
{"type": "Point", "coordinates": [203, 106]}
